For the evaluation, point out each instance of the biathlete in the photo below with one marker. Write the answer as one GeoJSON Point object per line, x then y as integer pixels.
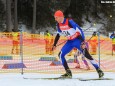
{"type": "Point", "coordinates": [75, 38]}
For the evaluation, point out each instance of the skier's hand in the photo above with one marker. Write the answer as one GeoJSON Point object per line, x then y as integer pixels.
{"type": "Point", "coordinates": [53, 47]}
{"type": "Point", "coordinates": [83, 45]}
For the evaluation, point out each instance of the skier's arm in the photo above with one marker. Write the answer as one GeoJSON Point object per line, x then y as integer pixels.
{"type": "Point", "coordinates": [56, 39]}
{"type": "Point", "coordinates": [58, 35]}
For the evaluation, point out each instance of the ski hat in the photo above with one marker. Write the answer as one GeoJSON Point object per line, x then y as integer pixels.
{"type": "Point", "coordinates": [58, 13]}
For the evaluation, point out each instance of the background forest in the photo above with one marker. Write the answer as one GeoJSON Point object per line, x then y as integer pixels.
{"type": "Point", "coordinates": [38, 14]}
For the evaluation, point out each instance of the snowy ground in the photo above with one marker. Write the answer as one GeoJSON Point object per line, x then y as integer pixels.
{"type": "Point", "coordinates": [17, 80]}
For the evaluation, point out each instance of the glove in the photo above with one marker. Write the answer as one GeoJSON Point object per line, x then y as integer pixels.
{"type": "Point", "coordinates": [53, 47]}
{"type": "Point", "coordinates": [83, 45]}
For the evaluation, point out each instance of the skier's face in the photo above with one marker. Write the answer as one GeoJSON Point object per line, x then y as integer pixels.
{"type": "Point", "coordinates": [59, 19]}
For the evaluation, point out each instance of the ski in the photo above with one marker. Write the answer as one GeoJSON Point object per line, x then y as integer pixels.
{"type": "Point", "coordinates": [61, 78]}
{"type": "Point", "coordinates": [94, 79]}
{"type": "Point", "coordinates": [55, 78]}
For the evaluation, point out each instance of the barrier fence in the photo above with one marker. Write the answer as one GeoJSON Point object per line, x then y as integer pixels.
{"type": "Point", "coordinates": [32, 57]}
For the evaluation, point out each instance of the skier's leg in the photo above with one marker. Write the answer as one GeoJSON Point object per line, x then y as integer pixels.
{"type": "Point", "coordinates": [93, 62]}
{"type": "Point", "coordinates": [65, 49]}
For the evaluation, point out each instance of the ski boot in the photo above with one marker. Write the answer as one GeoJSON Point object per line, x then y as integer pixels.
{"type": "Point", "coordinates": [68, 74]}
{"type": "Point", "coordinates": [100, 73]}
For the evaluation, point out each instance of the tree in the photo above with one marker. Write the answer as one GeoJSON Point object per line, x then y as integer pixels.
{"type": "Point", "coordinates": [8, 15]}
{"type": "Point", "coordinates": [40, 15]}
{"type": "Point", "coordinates": [34, 17]}
{"type": "Point", "coordinates": [2, 16]}
{"type": "Point", "coordinates": [15, 16]}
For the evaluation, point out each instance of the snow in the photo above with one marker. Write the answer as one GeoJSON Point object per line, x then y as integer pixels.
{"type": "Point", "coordinates": [16, 79]}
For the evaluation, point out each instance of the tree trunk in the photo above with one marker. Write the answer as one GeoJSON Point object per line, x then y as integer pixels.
{"type": "Point", "coordinates": [8, 15]}
{"type": "Point", "coordinates": [15, 16]}
{"type": "Point", "coordinates": [34, 17]}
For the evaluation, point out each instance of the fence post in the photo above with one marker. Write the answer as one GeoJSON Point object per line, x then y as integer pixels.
{"type": "Point", "coordinates": [98, 34]}
{"type": "Point", "coordinates": [21, 47]}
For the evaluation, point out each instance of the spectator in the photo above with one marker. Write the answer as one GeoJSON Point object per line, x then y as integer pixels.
{"type": "Point", "coordinates": [113, 41]}
{"type": "Point", "coordinates": [47, 40]}
{"type": "Point", "coordinates": [93, 43]}
{"type": "Point", "coordinates": [15, 42]}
